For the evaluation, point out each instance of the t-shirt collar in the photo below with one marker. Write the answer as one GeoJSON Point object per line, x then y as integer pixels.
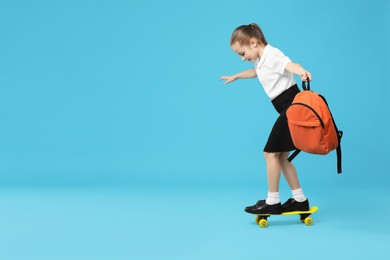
{"type": "Point", "coordinates": [261, 59]}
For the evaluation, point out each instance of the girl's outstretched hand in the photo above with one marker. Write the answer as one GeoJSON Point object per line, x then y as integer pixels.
{"type": "Point", "coordinates": [228, 79]}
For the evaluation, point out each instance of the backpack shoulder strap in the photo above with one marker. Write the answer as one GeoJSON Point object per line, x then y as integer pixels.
{"type": "Point", "coordinates": [338, 150]}
{"type": "Point", "coordinates": [339, 135]}
{"type": "Point", "coordinates": [293, 155]}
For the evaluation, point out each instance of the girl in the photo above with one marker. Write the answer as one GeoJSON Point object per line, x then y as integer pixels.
{"type": "Point", "coordinates": [274, 71]}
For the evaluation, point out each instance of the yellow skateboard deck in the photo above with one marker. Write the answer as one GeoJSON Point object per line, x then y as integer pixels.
{"type": "Point", "coordinates": [261, 219]}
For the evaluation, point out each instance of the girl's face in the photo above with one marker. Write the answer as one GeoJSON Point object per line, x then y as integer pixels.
{"type": "Point", "coordinates": [248, 52]}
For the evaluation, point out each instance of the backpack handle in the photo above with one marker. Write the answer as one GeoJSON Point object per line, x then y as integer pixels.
{"type": "Point", "coordinates": [304, 84]}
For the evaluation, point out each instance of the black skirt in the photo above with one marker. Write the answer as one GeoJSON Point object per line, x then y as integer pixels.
{"type": "Point", "coordinates": [279, 139]}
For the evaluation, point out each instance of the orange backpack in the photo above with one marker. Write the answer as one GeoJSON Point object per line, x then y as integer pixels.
{"type": "Point", "coordinates": [312, 126]}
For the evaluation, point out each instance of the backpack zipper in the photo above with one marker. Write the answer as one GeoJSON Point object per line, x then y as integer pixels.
{"type": "Point", "coordinates": [309, 107]}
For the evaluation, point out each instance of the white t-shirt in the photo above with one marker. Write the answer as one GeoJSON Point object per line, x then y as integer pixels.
{"type": "Point", "coordinates": [270, 69]}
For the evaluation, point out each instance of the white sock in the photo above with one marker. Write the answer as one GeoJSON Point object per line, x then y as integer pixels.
{"type": "Point", "coordinates": [272, 198]}
{"type": "Point", "coordinates": [298, 195]}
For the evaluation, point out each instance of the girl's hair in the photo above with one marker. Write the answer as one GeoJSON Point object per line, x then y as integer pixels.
{"type": "Point", "coordinates": [244, 33]}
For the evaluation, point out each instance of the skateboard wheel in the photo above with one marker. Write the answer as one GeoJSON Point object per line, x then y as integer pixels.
{"type": "Point", "coordinates": [263, 223]}
{"type": "Point", "coordinates": [257, 219]}
{"type": "Point", "coordinates": [308, 221]}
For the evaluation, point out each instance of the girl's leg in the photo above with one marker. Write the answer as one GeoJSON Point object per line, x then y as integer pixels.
{"type": "Point", "coordinates": [289, 171]}
{"type": "Point", "coordinates": [272, 204]}
{"type": "Point", "coordinates": [273, 171]}
{"type": "Point", "coordinates": [291, 176]}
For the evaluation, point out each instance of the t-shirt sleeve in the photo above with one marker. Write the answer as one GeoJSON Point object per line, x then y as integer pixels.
{"type": "Point", "coordinates": [277, 61]}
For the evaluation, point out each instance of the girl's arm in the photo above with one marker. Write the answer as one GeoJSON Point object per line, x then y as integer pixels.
{"type": "Point", "coordinates": [242, 75]}
{"type": "Point", "coordinates": [297, 69]}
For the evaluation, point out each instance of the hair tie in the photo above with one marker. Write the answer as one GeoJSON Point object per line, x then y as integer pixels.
{"type": "Point", "coordinates": [252, 26]}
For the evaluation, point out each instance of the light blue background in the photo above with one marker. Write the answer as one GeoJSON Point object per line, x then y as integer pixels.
{"type": "Point", "coordinates": [112, 113]}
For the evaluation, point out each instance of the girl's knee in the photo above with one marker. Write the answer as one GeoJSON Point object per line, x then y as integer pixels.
{"type": "Point", "coordinates": [284, 158]}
